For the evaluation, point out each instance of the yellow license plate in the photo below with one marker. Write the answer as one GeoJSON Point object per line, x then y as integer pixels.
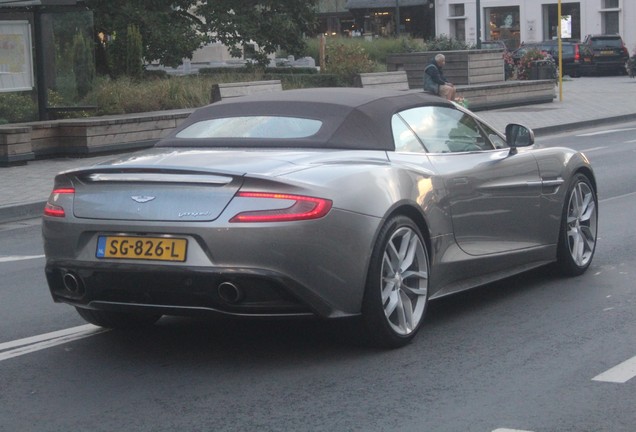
{"type": "Point", "coordinates": [144, 248]}
{"type": "Point", "coordinates": [607, 52]}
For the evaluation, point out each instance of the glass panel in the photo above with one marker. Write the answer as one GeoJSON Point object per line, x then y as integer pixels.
{"type": "Point", "coordinates": [68, 49]}
{"type": "Point", "coordinates": [405, 139]}
{"type": "Point", "coordinates": [610, 22]}
{"type": "Point", "coordinates": [444, 130]}
{"type": "Point", "coordinates": [503, 24]}
{"type": "Point", "coordinates": [252, 127]}
{"type": "Point", "coordinates": [457, 10]}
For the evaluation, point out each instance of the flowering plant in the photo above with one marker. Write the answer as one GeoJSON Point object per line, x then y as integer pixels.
{"type": "Point", "coordinates": [528, 61]}
{"type": "Point", "coordinates": [461, 101]}
{"type": "Point", "coordinates": [509, 65]}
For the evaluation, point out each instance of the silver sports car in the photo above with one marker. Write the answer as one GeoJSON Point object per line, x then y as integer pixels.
{"type": "Point", "coordinates": [319, 202]}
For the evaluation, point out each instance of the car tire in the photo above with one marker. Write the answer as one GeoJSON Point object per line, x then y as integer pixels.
{"type": "Point", "coordinates": [121, 320]}
{"type": "Point", "coordinates": [578, 232]}
{"type": "Point", "coordinates": [396, 292]}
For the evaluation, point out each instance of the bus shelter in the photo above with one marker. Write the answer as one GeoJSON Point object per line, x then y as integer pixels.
{"type": "Point", "coordinates": [47, 54]}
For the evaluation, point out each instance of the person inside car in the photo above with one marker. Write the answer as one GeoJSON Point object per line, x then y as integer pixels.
{"type": "Point", "coordinates": [434, 80]}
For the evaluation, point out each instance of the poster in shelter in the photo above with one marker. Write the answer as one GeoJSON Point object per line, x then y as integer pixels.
{"type": "Point", "coordinates": [16, 66]}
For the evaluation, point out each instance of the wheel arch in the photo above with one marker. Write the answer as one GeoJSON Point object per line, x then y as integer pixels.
{"type": "Point", "coordinates": [590, 175]}
{"type": "Point", "coordinates": [411, 211]}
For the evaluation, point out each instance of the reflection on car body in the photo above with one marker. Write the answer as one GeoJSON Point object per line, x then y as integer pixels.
{"type": "Point", "coordinates": [317, 202]}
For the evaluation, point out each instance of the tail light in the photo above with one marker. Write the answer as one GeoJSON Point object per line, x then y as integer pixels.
{"type": "Point", "coordinates": [300, 208]}
{"type": "Point", "coordinates": [577, 53]}
{"type": "Point", "coordinates": [50, 209]}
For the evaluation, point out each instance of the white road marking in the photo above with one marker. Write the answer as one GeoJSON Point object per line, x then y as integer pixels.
{"type": "Point", "coordinates": [620, 373]}
{"type": "Point", "coordinates": [617, 197]}
{"type": "Point", "coordinates": [36, 343]}
{"type": "Point", "coordinates": [593, 149]}
{"type": "Point", "coordinates": [509, 430]}
{"type": "Point", "coordinates": [19, 258]}
{"type": "Point", "coordinates": [606, 132]}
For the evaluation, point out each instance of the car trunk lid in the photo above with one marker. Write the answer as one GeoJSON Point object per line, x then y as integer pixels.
{"type": "Point", "coordinates": [169, 185]}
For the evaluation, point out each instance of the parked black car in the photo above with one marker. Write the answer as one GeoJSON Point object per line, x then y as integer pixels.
{"type": "Point", "coordinates": [604, 54]}
{"type": "Point", "coordinates": [571, 62]}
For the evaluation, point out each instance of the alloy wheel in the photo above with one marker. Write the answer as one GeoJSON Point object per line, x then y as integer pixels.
{"type": "Point", "coordinates": [404, 281]}
{"type": "Point", "coordinates": [581, 224]}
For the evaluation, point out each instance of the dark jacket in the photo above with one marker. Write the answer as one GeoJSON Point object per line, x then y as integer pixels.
{"type": "Point", "coordinates": [435, 72]}
{"type": "Point", "coordinates": [433, 77]}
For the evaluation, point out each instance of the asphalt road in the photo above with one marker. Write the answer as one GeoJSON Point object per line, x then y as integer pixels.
{"type": "Point", "coordinates": [532, 353]}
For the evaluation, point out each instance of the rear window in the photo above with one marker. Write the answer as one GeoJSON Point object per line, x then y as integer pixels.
{"type": "Point", "coordinates": [607, 43]}
{"type": "Point", "coordinates": [277, 127]}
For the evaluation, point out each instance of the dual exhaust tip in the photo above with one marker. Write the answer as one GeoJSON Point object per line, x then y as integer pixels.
{"type": "Point", "coordinates": [227, 291]}
{"type": "Point", "coordinates": [73, 284]}
{"type": "Point", "coordinates": [230, 293]}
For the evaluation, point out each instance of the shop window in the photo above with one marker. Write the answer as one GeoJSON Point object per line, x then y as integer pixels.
{"type": "Point", "coordinates": [503, 24]}
{"type": "Point", "coordinates": [570, 21]}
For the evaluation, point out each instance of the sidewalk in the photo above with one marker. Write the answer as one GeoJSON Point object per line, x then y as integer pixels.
{"type": "Point", "coordinates": [587, 101]}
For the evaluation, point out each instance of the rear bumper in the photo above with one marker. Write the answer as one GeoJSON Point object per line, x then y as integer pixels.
{"type": "Point", "coordinates": [187, 292]}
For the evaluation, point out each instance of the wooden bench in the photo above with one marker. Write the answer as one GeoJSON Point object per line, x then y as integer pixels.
{"type": "Point", "coordinates": [395, 80]}
{"type": "Point", "coordinates": [507, 93]}
{"type": "Point", "coordinates": [229, 90]}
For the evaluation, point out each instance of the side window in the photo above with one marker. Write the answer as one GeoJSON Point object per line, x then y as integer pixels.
{"type": "Point", "coordinates": [405, 139]}
{"type": "Point", "coordinates": [494, 137]}
{"type": "Point", "coordinates": [446, 130]}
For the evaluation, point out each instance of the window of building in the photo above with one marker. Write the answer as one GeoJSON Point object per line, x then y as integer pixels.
{"type": "Point", "coordinates": [570, 13]}
{"type": "Point", "coordinates": [457, 17]}
{"type": "Point", "coordinates": [610, 16]}
{"type": "Point", "coordinates": [502, 23]}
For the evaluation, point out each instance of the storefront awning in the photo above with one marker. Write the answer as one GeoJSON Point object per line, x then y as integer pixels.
{"type": "Point", "coordinates": [374, 4]}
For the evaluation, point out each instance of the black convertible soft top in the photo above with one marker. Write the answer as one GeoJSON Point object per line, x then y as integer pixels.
{"type": "Point", "coordinates": [353, 118]}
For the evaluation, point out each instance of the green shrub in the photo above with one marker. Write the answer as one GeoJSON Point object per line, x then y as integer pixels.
{"type": "Point", "coordinates": [83, 64]}
{"type": "Point", "coordinates": [134, 52]}
{"type": "Point", "coordinates": [346, 61]}
{"type": "Point", "coordinates": [446, 43]}
{"type": "Point", "coordinates": [377, 48]}
{"type": "Point", "coordinates": [17, 108]}
{"type": "Point", "coordinates": [125, 95]}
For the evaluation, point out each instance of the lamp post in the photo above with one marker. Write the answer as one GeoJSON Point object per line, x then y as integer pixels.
{"type": "Point", "coordinates": [397, 17]}
{"type": "Point", "coordinates": [478, 21]}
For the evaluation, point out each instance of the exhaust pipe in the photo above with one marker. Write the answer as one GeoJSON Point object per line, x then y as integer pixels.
{"type": "Point", "coordinates": [73, 283]}
{"type": "Point", "coordinates": [230, 293]}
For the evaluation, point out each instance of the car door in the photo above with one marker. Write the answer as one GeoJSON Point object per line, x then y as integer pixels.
{"type": "Point", "coordinates": [493, 194]}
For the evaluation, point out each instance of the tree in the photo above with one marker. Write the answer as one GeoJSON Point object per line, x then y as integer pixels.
{"type": "Point", "coordinates": [173, 29]}
{"type": "Point", "coordinates": [169, 32]}
{"type": "Point", "coordinates": [270, 24]}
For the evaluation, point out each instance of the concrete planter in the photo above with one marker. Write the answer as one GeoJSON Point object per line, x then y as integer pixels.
{"type": "Point", "coordinates": [464, 67]}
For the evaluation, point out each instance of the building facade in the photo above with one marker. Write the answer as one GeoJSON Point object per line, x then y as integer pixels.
{"type": "Point", "coordinates": [517, 21]}
{"type": "Point", "coordinates": [377, 18]}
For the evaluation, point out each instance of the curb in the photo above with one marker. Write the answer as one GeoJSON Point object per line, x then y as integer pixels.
{"type": "Point", "coordinates": [16, 212]}
{"type": "Point", "coordinates": [548, 130]}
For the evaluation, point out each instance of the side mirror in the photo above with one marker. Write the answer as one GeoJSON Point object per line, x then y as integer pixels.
{"type": "Point", "coordinates": [518, 136]}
